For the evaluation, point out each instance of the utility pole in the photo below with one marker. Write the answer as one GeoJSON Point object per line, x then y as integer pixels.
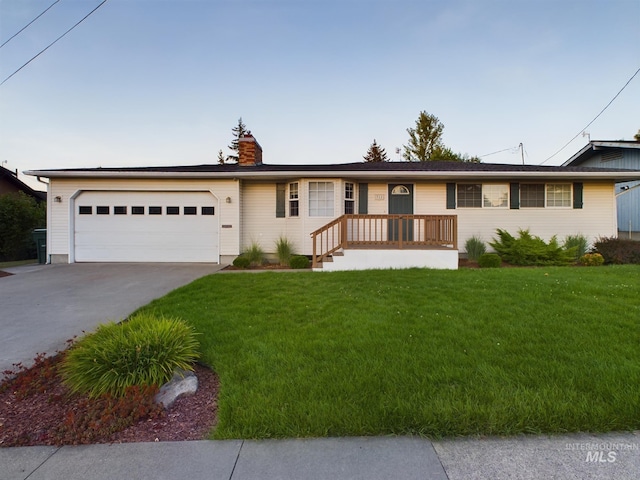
{"type": "Point", "coordinates": [521, 147]}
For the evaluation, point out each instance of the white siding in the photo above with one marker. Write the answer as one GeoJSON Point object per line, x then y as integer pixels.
{"type": "Point", "coordinates": [60, 236]}
{"type": "Point", "coordinates": [596, 218]}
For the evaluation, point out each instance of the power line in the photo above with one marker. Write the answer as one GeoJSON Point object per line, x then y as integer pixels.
{"type": "Point", "coordinates": [20, 31]}
{"type": "Point", "coordinates": [596, 117]}
{"type": "Point", "coordinates": [499, 151]}
{"type": "Point", "coordinates": [52, 43]}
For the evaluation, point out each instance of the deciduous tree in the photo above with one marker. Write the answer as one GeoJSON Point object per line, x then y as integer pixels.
{"type": "Point", "coordinates": [424, 139]}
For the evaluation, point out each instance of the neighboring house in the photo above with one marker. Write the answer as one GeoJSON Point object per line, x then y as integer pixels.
{"type": "Point", "coordinates": [390, 214]}
{"type": "Point", "coordinates": [10, 183]}
{"type": "Point", "coordinates": [616, 154]}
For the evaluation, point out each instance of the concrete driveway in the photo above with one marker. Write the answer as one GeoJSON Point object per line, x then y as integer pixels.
{"type": "Point", "coordinates": [42, 306]}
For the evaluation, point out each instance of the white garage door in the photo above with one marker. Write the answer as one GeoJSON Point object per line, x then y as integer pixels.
{"type": "Point", "coordinates": [146, 227]}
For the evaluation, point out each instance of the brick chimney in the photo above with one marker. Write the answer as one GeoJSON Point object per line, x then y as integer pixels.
{"type": "Point", "coordinates": [249, 151]}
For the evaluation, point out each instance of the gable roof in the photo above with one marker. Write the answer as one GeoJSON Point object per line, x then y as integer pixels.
{"type": "Point", "coordinates": [598, 146]}
{"type": "Point", "coordinates": [12, 179]}
{"type": "Point", "coordinates": [360, 170]}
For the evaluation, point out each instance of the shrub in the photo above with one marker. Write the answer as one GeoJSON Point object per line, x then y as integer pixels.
{"type": "Point", "coordinates": [299, 261]}
{"type": "Point", "coordinates": [241, 262]}
{"type": "Point", "coordinates": [284, 250]}
{"type": "Point", "coordinates": [475, 247]}
{"type": "Point", "coordinates": [255, 254]}
{"type": "Point", "coordinates": [489, 260]}
{"type": "Point", "coordinates": [580, 243]}
{"type": "Point", "coordinates": [19, 215]}
{"type": "Point", "coordinates": [143, 351]}
{"type": "Point", "coordinates": [591, 260]}
{"type": "Point", "coordinates": [528, 249]}
{"type": "Point", "coordinates": [619, 251]}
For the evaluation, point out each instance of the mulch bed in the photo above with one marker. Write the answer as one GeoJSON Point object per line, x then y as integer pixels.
{"type": "Point", "coordinates": [5, 274]}
{"type": "Point", "coordinates": [34, 419]}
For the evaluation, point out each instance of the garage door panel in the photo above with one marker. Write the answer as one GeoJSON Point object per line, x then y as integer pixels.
{"type": "Point", "coordinates": [146, 238]}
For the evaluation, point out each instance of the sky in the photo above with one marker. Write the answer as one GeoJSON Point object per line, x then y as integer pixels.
{"type": "Point", "coordinates": [163, 82]}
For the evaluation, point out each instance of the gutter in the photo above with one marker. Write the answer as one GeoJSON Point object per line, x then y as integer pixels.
{"type": "Point", "coordinates": [444, 175]}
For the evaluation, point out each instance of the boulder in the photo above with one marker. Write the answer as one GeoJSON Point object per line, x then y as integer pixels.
{"type": "Point", "coordinates": [182, 383]}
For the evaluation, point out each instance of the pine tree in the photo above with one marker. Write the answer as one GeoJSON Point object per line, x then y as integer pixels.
{"type": "Point", "coordinates": [221, 158]}
{"type": "Point", "coordinates": [238, 132]}
{"type": "Point", "coordinates": [376, 153]}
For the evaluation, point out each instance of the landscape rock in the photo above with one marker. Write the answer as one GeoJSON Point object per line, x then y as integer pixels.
{"type": "Point", "coordinates": [182, 383]}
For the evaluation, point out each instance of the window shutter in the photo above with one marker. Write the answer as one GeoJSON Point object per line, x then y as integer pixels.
{"type": "Point", "coordinates": [515, 196]}
{"type": "Point", "coordinates": [577, 194]}
{"type": "Point", "coordinates": [451, 196]}
{"type": "Point", "coordinates": [280, 199]}
{"type": "Point", "coordinates": [363, 198]}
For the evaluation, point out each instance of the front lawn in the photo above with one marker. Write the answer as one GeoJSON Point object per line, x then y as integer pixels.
{"type": "Point", "coordinates": [437, 353]}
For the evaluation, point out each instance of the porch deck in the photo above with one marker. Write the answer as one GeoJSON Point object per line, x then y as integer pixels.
{"type": "Point", "coordinates": [385, 233]}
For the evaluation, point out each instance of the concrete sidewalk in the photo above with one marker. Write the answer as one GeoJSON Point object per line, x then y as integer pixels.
{"type": "Point", "coordinates": [566, 457]}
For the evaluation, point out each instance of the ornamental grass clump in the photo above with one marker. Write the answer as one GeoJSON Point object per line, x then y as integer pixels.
{"type": "Point", "coordinates": [475, 247]}
{"type": "Point", "coordinates": [255, 254]}
{"type": "Point", "coordinates": [143, 351]}
{"type": "Point", "coordinates": [284, 250]}
{"type": "Point", "coordinates": [580, 243]}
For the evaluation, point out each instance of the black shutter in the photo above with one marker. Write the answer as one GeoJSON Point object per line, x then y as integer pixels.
{"type": "Point", "coordinates": [577, 194]}
{"type": "Point", "coordinates": [451, 196]}
{"type": "Point", "coordinates": [280, 199]}
{"type": "Point", "coordinates": [515, 196]}
{"type": "Point", "coordinates": [363, 198]}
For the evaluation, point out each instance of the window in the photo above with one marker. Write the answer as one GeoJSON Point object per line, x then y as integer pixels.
{"type": "Point", "coordinates": [532, 195]}
{"type": "Point", "coordinates": [155, 210]}
{"type": "Point", "coordinates": [469, 195]}
{"type": "Point", "coordinates": [119, 210]}
{"type": "Point", "coordinates": [102, 210]}
{"type": "Point", "coordinates": [173, 210]}
{"type": "Point", "coordinates": [349, 198]}
{"type": "Point", "coordinates": [207, 210]}
{"type": "Point", "coordinates": [558, 195]}
{"type": "Point", "coordinates": [294, 205]}
{"type": "Point", "coordinates": [190, 211]}
{"type": "Point", "coordinates": [495, 196]}
{"type": "Point", "coordinates": [137, 210]}
{"type": "Point", "coordinates": [321, 199]}
{"type": "Point", "coordinates": [83, 210]}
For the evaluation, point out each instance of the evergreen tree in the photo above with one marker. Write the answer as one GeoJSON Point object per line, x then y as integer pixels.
{"type": "Point", "coordinates": [221, 158]}
{"type": "Point", "coordinates": [424, 139]}
{"type": "Point", "coordinates": [238, 132]}
{"type": "Point", "coordinates": [376, 153]}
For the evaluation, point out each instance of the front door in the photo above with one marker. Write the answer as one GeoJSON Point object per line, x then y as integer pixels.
{"type": "Point", "coordinates": [400, 202]}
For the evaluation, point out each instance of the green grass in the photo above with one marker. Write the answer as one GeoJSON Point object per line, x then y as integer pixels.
{"type": "Point", "coordinates": [436, 353]}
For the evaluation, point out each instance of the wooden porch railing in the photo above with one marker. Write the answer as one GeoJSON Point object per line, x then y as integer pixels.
{"type": "Point", "coordinates": [384, 231]}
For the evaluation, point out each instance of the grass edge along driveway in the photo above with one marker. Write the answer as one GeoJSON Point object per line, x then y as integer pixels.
{"type": "Point", "coordinates": [435, 353]}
